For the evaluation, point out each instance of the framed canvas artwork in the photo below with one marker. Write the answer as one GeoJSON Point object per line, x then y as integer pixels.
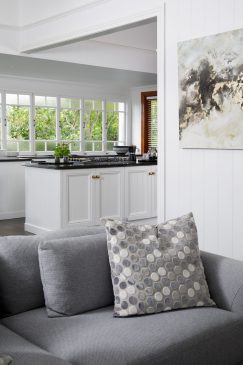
{"type": "Point", "coordinates": [210, 72]}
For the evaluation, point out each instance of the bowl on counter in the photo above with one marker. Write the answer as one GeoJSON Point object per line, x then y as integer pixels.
{"type": "Point", "coordinates": [121, 150]}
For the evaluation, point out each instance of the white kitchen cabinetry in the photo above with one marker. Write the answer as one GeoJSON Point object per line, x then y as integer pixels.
{"type": "Point", "coordinates": [12, 201]}
{"type": "Point", "coordinates": [73, 197]}
{"type": "Point", "coordinates": [89, 195]}
{"type": "Point", "coordinates": [77, 196]}
{"type": "Point", "coordinates": [109, 194]}
{"type": "Point", "coordinates": [140, 192]}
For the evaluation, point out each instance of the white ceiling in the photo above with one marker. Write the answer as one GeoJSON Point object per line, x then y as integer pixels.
{"type": "Point", "coordinates": [142, 37]}
{"type": "Point", "coordinates": [129, 49]}
{"type": "Point", "coordinates": [32, 11]}
{"type": "Point", "coordinates": [133, 48]}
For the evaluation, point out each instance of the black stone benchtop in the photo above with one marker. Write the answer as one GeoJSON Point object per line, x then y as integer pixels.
{"type": "Point", "coordinates": [86, 165]}
{"type": "Point", "coordinates": [21, 158]}
{"type": "Point", "coordinates": [15, 159]}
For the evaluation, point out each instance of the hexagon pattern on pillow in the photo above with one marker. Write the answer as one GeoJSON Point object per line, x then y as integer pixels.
{"type": "Point", "coordinates": [156, 268]}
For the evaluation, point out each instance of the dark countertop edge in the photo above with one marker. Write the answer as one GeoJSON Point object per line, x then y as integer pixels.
{"type": "Point", "coordinates": [14, 159]}
{"type": "Point", "coordinates": [29, 158]}
{"type": "Point", "coordinates": [87, 166]}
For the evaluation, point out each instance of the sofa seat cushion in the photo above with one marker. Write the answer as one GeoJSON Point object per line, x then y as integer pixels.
{"type": "Point", "coordinates": [24, 352]}
{"type": "Point", "coordinates": [190, 336]}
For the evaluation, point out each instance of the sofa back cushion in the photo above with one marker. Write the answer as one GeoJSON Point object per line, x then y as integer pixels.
{"type": "Point", "coordinates": [20, 282]}
{"type": "Point", "coordinates": [75, 274]}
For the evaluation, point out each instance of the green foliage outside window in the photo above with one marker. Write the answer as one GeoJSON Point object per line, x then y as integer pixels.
{"type": "Point", "coordinates": [112, 124]}
{"type": "Point", "coordinates": [45, 123]}
{"type": "Point", "coordinates": [18, 122]}
{"type": "Point", "coordinates": [70, 124]}
{"type": "Point", "coordinates": [93, 126]}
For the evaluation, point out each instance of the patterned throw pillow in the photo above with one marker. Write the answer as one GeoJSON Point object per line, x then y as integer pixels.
{"type": "Point", "coordinates": [156, 269]}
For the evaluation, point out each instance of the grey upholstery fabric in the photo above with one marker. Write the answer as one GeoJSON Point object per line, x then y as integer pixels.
{"type": "Point", "coordinates": [225, 280]}
{"type": "Point", "coordinates": [73, 232]}
{"type": "Point", "coordinates": [198, 336]}
{"type": "Point", "coordinates": [20, 282]}
{"type": "Point", "coordinates": [75, 274]}
{"type": "Point", "coordinates": [20, 285]}
{"type": "Point", "coordinates": [24, 352]}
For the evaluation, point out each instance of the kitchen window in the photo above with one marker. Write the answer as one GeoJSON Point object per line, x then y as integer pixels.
{"type": "Point", "coordinates": [36, 123]}
{"type": "Point", "coordinates": [18, 122]}
{"type": "Point", "coordinates": [115, 123]}
{"type": "Point", "coordinates": [45, 123]}
{"type": "Point", "coordinates": [70, 122]}
{"type": "Point", "coordinates": [93, 122]}
{"type": "Point", "coordinates": [149, 130]}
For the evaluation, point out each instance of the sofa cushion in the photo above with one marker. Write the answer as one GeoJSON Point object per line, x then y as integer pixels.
{"type": "Point", "coordinates": [204, 335]}
{"type": "Point", "coordinates": [24, 352]}
{"type": "Point", "coordinates": [155, 271]}
{"type": "Point", "coordinates": [75, 274]}
{"type": "Point", "coordinates": [20, 282]}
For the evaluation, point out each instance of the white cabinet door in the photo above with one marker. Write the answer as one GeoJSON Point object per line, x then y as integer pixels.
{"type": "Point", "coordinates": [153, 191]}
{"type": "Point", "coordinates": [137, 192]}
{"type": "Point", "coordinates": [78, 199]}
{"type": "Point", "coordinates": [109, 195]}
{"type": "Point", "coordinates": [140, 192]}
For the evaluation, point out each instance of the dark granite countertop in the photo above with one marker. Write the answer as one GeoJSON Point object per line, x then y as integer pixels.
{"type": "Point", "coordinates": [14, 159]}
{"type": "Point", "coordinates": [22, 158]}
{"type": "Point", "coordinates": [86, 165]}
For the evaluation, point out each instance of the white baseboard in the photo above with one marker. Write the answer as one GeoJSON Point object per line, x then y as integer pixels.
{"type": "Point", "coordinates": [35, 229]}
{"type": "Point", "coordinates": [12, 215]}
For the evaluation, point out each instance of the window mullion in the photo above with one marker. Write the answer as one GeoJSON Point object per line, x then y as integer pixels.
{"type": "Point", "coordinates": [4, 122]}
{"type": "Point", "coordinates": [82, 126]}
{"type": "Point", "coordinates": [32, 124]}
{"type": "Point", "coordinates": [58, 119]}
{"type": "Point", "coordinates": [104, 126]}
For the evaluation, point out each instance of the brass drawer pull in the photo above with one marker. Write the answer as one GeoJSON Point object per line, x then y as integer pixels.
{"type": "Point", "coordinates": [151, 173]}
{"type": "Point", "coordinates": [95, 177]}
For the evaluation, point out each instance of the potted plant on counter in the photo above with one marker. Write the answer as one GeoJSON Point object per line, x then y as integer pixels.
{"type": "Point", "coordinates": [61, 151]}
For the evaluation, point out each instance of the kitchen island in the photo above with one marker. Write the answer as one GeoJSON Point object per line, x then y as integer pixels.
{"type": "Point", "coordinates": [83, 192]}
{"type": "Point", "coordinates": [12, 200]}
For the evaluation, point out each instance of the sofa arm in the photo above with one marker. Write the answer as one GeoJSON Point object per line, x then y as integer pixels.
{"type": "Point", "coordinates": [225, 281]}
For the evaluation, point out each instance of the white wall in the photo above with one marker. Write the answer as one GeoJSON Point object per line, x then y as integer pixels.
{"type": "Point", "coordinates": [35, 11]}
{"type": "Point", "coordinates": [207, 182]}
{"type": "Point", "coordinates": [136, 112]}
{"type": "Point", "coordinates": [9, 14]}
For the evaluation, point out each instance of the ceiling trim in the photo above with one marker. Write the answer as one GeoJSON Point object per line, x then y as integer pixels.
{"type": "Point", "coordinates": [49, 19]}
{"type": "Point", "coordinates": [14, 28]}
{"type": "Point", "coordinates": [123, 46]}
{"type": "Point", "coordinates": [92, 32]}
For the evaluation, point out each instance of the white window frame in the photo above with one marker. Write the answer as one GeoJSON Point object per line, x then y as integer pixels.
{"type": "Point", "coordinates": [5, 136]}
{"type": "Point", "coordinates": [81, 141]}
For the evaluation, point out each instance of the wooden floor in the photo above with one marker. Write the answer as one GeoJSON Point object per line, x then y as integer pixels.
{"type": "Point", "coordinates": [13, 227]}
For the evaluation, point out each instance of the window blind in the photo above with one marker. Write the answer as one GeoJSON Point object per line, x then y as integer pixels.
{"type": "Point", "coordinates": [152, 122]}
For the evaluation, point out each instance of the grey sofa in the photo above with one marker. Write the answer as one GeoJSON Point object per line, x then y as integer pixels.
{"type": "Point", "coordinates": [197, 336]}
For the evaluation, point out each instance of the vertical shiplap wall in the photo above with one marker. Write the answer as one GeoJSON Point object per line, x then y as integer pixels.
{"type": "Point", "coordinates": [207, 182]}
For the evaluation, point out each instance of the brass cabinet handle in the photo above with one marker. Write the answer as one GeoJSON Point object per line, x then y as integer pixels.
{"type": "Point", "coordinates": [151, 173]}
{"type": "Point", "coordinates": [95, 177]}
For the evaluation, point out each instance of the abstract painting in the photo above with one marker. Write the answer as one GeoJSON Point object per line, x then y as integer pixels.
{"type": "Point", "coordinates": [211, 91]}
